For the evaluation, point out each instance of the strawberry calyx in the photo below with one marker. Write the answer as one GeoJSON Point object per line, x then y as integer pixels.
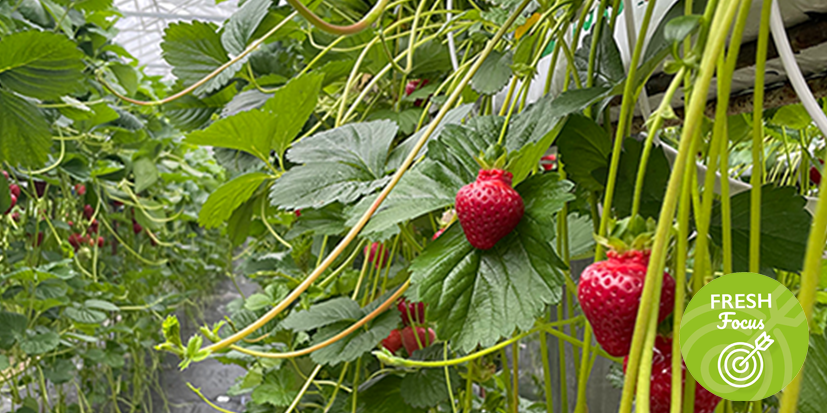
{"type": "Point", "coordinates": [632, 234]}
{"type": "Point", "coordinates": [494, 158]}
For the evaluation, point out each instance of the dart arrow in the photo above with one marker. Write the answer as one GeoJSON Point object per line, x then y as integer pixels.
{"type": "Point", "coordinates": [761, 343]}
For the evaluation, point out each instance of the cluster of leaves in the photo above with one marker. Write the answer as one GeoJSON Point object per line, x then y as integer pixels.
{"type": "Point", "coordinates": [84, 315]}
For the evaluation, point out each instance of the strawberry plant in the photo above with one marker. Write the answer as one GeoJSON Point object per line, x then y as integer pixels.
{"type": "Point", "coordinates": [412, 186]}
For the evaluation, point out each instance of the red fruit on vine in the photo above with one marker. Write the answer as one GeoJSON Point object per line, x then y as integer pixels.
{"type": "Point", "coordinates": [13, 203]}
{"type": "Point", "coordinates": [412, 86]}
{"type": "Point", "coordinates": [815, 175]}
{"type": "Point", "coordinates": [93, 227]}
{"type": "Point", "coordinates": [489, 208]}
{"type": "Point", "coordinates": [80, 189]}
{"type": "Point", "coordinates": [136, 227]}
{"type": "Point", "coordinates": [661, 389]}
{"type": "Point", "coordinates": [15, 216]}
{"type": "Point", "coordinates": [609, 292]}
{"type": "Point", "coordinates": [298, 213]}
{"type": "Point", "coordinates": [377, 254]}
{"type": "Point", "coordinates": [75, 240]}
{"type": "Point", "coordinates": [549, 162]}
{"type": "Point", "coordinates": [412, 313]}
{"type": "Point", "coordinates": [393, 342]}
{"type": "Point", "coordinates": [15, 190]}
{"type": "Point", "coordinates": [100, 242]}
{"type": "Point", "coordinates": [88, 211]}
{"type": "Point", "coordinates": [416, 338]}
{"type": "Point", "coordinates": [40, 188]}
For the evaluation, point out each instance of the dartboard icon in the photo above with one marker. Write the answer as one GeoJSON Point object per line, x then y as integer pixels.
{"type": "Point", "coordinates": [741, 364]}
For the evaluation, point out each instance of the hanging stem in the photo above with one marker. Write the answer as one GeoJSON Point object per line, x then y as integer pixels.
{"type": "Point", "coordinates": [626, 109]}
{"type": "Point", "coordinates": [638, 365]}
{"type": "Point", "coordinates": [357, 27]}
{"type": "Point", "coordinates": [757, 177]}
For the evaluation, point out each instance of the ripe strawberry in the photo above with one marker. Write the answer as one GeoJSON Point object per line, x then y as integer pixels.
{"type": "Point", "coordinates": [393, 342]}
{"type": "Point", "coordinates": [100, 242]}
{"type": "Point", "coordinates": [136, 227]}
{"type": "Point", "coordinates": [298, 213]}
{"type": "Point", "coordinates": [661, 379]}
{"type": "Point", "coordinates": [409, 338]}
{"type": "Point", "coordinates": [815, 175]}
{"type": "Point", "coordinates": [377, 254]}
{"type": "Point", "coordinates": [489, 208]}
{"type": "Point", "coordinates": [549, 162]}
{"type": "Point", "coordinates": [13, 203]}
{"type": "Point", "coordinates": [88, 211]}
{"type": "Point", "coordinates": [412, 313]}
{"type": "Point", "coordinates": [80, 189]}
{"type": "Point", "coordinates": [93, 227]}
{"type": "Point", "coordinates": [75, 240]}
{"type": "Point", "coordinates": [609, 293]}
{"type": "Point", "coordinates": [15, 190]}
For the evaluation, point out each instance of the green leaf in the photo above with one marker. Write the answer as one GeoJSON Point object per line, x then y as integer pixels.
{"type": "Point", "coordinates": [85, 315]}
{"type": "Point", "coordinates": [813, 398]}
{"type": "Point", "coordinates": [224, 200]}
{"type": "Point", "coordinates": [401, 151]}
{"type": "Point", "coordinates": [257, 302]}
{"type": "Point", "coordinates": [238, 226]}
{"type": "Point", "coordinates": [277, 388]}
{"type": "Point", "coordinates": [584, 148]}
{"type": "Point", "coordinates": [61, 371]}
{"type": "Point", "coordinates": [25, 131]}
{"type": "Point", "coordinates": [329, 220]}
{"type": "Point", "coordinates": [608, 68]}
{"type": "Point", "coordinates": [493, 74]}
{"type": "Point", "coordinates": [4, 362]}
{"type": "Point", "coordinates": [146, 174]}
{"type": "Point", "coordinates": [385, 396]}
{"type": "Point", "coordinates": [242, 24]}
{"type": "Point", "coordinates": [783, 242]}
{"type": "Point", "coordinates": [14, 325]}
{"type": "Point", "coordinates": [339, 165]}
{"type": "Point", "coordinates": [655, 179]}
{"type": "Point", "coordinates": [792, 116]}
{"type": "Point", "coordinates": [425, 388]}
{"type": "Point", "coordinates": [40, 64]}
{"type": "Point", "coordinates": [190, 112]}
{"type": "Point", "coordinates": [291, 105]}
{"type": "Point", "coordinates": [355, 344]}
{"type": "Point", "coordinates": [321, 315]}
{"type": "Point", "coordinates": [39, 343]}
{"type": "Point", "coordinates": [678, 28]}
{"type": "Point", "coordinates": [101, 305]}
{"type": "Point", "coordinates": [476, 297]}
{"type": "Point", "coordinates": [5, 194]}
{"type": "Point", "coordinates": [251, 131]}
{"type": "Point", "coordinates": [194, 50]}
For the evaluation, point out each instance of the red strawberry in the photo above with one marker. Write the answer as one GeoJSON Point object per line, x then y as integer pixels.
{"type": "Point", "coordinates": [661, 390]}
{"type": "Point", "coordinates": [412, 86]}
{"type": "Point", "coordinates": [412, 313]}
{"type": "Point", "coordinates": [438, 233]}
{"type": "Point", "coordinates": [815, 175]}
{"type": "Point", "coordinates": [13, 203]}
{"type": "Point", "coordinates": [93, 227]}
{"type": "Point", "coordinates": [15, 216]}
{"type": "Point", "coordinates": [298, 213]}
{"type": "Point", "coordinates": [393, 342]}
{"type": "Point", "coordinates": [549, 162]}
{"type": "Point", "coordinates": [489, 208]}
{"type": "Point", "coordinates": [75, 240]}
{"type": "Point", "coordinates": [609, 293]}
{"type": "Point", "coordinates": [15, 190]}
{"type": "Point", "coordinates": [409, 338]}
{"type": "Point", "coordinates": [100, 242]}
{"type": "Point", "coordinates": [377, 254]}
{"type": "Point", "coordinates": [40, 188]}
{"type": "Point", "coordinates": [80, 189]}
{"type": "Point", "coordinates": [136, 227]}
{"type": "Point", "coordinates": [88, 211]}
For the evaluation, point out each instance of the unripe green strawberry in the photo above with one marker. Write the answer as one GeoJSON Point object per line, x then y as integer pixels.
{"type": "Point", "coordinates": [488, 209]}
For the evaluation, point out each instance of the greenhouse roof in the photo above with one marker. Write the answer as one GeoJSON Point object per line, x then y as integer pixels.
{"type": "Point", "coordinates": [143, 23]}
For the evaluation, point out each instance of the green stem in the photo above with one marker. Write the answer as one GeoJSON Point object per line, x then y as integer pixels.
{"type": "Point", "coordinates": [546, 372]}
{"type": "Point", "coordinates": [654, 275]}
{"type": "Point", "coordinates": [626, 109]}
{"type": "Point", "coordinates": [585, 370]}
{"type": "Point", "coordinates": [756, 179]}
{"type": "Point", "coordinates": [357, 27]}
{"type": "Point", "coordinates": [654, 128]}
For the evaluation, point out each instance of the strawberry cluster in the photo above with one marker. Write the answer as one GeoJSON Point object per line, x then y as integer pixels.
{"type": "Point", "coordinates": [609, 292]}
{"type": "Point", "coordinates": [415, 334]}
{"type": "Point", "coordinates": [14, 190]}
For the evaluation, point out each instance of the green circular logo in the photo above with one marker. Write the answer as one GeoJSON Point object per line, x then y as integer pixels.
{"type": "Point", "coordinates": [744, 336]}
